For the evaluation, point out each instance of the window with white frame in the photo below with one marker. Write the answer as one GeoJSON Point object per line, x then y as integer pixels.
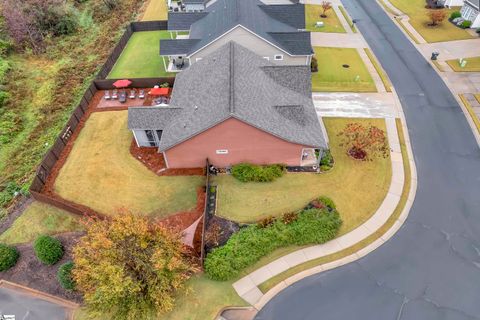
{"type": "Point", "coordinates": [278, 57]}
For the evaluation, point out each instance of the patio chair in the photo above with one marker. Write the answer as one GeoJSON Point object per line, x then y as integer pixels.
{"type": "Point", "coordinates": [115, 94]}
{"type": "Point", "coordinates": [122, 98]}
{"type": "Point", "coordinates": [106, 95]}
{"type": "Point", "coordinates": [141, 94]}
{"type": "Point", "coordinates": [133, 94]}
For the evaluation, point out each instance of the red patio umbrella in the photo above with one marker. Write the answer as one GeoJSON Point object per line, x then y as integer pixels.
{"type": "Point", "coordinates": [122, 83]}
{"type": "Point", "coordinates": [159, 91]}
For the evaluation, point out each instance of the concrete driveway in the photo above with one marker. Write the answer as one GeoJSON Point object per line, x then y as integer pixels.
{"type": "Point", "coordinates": [431, 268]}
{"type": "Point", "coordinates": [355, 105]}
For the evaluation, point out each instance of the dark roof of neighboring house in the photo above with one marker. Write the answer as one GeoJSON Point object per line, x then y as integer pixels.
{"type": "Point", "coordinates": [277, 24]}
{"type": "Point", "coordinates": [235, 82]}
{"type": "Point", "coordinates": [177, 46]}
{"type": "Point", "coordinates": [293, 15]}
{"type": "Point", "coordinates": [475, 3]}
{"type": "Point", "coordinates": [183, 20]}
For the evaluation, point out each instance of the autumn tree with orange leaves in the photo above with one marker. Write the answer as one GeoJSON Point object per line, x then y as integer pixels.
{"type": "Point", "coordinates": [437, 16]}
{"type": "Point", "coordinates": [364, 142]}
{"type": "Point", "coordinates": [129, 267]}
{"type": "Point", "coordinates": [326, 6]}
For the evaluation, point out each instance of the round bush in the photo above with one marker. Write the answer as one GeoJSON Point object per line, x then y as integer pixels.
{"type": "Point", "coordinates": [466, 24]}
{"type": "Point", "coordinates": [64, 276]}
{"type": "Point", "coordinates": [8, 257]}
{"type": "Point", "coordinates": [455, 14]}
{"type": "Point", "coordinates": [48, 250]}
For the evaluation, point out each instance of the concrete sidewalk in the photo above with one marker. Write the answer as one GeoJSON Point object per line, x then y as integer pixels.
{"type": "Point", "coordinates": [452, 49]}
{"type": "Point", "coordinates": [247, 287]}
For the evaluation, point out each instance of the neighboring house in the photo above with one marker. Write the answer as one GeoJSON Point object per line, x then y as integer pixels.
{"type": "Point", "coordinates": [194, 5]}
{"type": "Point", "coordinates": [274, 32]}
{"type": "Point", "coordinates": [471, 11]}
{"type": "Point", "coordinates": [231, 107]}
{"type": "Point", "coordinates": [451, 3]}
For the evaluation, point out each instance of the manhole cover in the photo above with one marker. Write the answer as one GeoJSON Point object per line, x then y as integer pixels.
{"type": "Point", "coordinates": [346, 66]}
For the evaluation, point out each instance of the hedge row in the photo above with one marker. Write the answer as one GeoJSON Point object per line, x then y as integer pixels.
{"type": "Point", "coordinates": [246, 172]}
{"type": "Point", "coordinates": [246, 247]}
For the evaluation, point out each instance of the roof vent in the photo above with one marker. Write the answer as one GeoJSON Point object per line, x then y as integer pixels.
{"type": "Point", "coordinates": [195, 107]}
{"type": "Point", "coordinates": [184, 125]}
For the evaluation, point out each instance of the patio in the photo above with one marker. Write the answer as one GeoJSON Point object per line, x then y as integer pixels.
{"type": "Point", "coordinates": [115, 104]}
{"type": "Point", "coordinates": [309, 158]}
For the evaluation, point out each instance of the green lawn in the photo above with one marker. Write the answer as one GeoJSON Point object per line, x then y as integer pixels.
{"type": "Point", "coordinates": [141, 57]}
{"type": "Point", "coordinates": [101, 173]}
{"type": "Point", "coordinates": [357, 187]}
{"type": "Point", "coordinates": [473, 65]}
{"type": "Point", "coordinates": [419, 19]}
{"type": "Point", "coordinates": [156, 10]}
{"type": "Point", "coordinates": [312, 15]}
{"type": "Point", "coordinates": [379, 69]}
{"type": "Point", "coordinates": [37, 219]}
{"type": "Point", "coordinates": [269, 284]}
{"type": "Point", "coordinates": [332, 76]}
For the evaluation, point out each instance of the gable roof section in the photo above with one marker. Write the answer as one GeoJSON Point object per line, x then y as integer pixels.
{"type": "Point", "coordinates": [233, 82]}
{"type": "Point", "coordinates": [293, 15]}
{"type": "Point", "coordinates": [183, 20]}
{"type": "Point", "coordinates": [177, 46]}
{"type": "Point", "coordinates": [224, 15]}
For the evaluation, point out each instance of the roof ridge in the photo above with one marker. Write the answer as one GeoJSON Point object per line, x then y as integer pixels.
{"type": "Point", "coordinates": [232, 75]}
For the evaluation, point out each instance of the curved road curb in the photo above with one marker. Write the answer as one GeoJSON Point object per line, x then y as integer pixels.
{"type": "Point", "coordinates": [247, 287]}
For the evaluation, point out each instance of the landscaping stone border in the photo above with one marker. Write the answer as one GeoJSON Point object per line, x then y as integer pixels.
{"type": "Point", "coordinates": [247, 287]}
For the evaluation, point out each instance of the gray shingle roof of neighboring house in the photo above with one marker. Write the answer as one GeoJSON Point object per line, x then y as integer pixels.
{"type": "Point", "coordinates": [277, 24]}
{"type": "Point", "coordinates": [235, 82]}
{"type": "Point", "coordinates": [293, 15]}
{"type": "Point", "coordinates": [177, 46]}
{"type": "Point", "coordinates": [475, 3]}
{"type": "Point", "coordinates": [183, 20]}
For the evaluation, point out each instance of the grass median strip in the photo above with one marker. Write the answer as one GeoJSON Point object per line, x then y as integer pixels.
{"type": "Point", "coordinates": [402, 25]}
{"type": "Point", "coordinates": [471, 112]}
{"type": "Point", "coordinates": [380, 71]}
{"type": "Point", "coordinates": [269, 284]}
{"type": "Point", "coordinates": [347, 17]}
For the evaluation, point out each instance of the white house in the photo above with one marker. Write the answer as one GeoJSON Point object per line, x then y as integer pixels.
{"type": "Point", "coordinates": [452, 3]}
{"type": "Point", "coordinates": [471, 11]}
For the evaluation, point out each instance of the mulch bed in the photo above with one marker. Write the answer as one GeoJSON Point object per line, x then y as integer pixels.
{"type": "Point", "coordinates": [30, 272]}
{"type": "Point", "coordinates": [182, 220]}
{"type": "Point", "coordinates": [227, 227]}
{"type": "Point", "coordinates": [155, 162]}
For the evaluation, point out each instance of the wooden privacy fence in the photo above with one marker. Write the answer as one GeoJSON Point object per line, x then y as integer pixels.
{"type": "Point", "coordinates": [100, 83]}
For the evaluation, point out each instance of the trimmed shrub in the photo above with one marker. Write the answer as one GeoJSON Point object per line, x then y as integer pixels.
{"type": "Point", "coordinates": [466, 24]}
{"type": "Point", "coordinates": [265, 222]}
{"type": "Point", "coordinates": [455, 14]}
{"type": "Point", "coordinates": [327, 202]}
{"type": "Point", "coordinates": [327, 158]}
{"type": "Point", "coordinates": [246, 172]}
{"type": "Point", "coordinates": [48, 249]}
{"type": "Point", "coordinates": [324, 168]}
{"type": "Point", "coordinates": [289, 217]}
{"type": "Point", "coordinates": [247, 246]}
{"type": "Point", "coordinates": [64, 276]}
{"type": "Point", "coordinates": [314, 65]}
{"type": "Point", "coordinates": [8, 257]}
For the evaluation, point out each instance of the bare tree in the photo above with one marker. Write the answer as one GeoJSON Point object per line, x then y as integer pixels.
{"type": "Point", "coordinates": [326, 5]}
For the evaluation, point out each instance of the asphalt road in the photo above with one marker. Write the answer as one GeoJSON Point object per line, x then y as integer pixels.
{"type": "Point", "coordinates": [431, 268]}
{"type": "Point", "coordinates": [17, 306]}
